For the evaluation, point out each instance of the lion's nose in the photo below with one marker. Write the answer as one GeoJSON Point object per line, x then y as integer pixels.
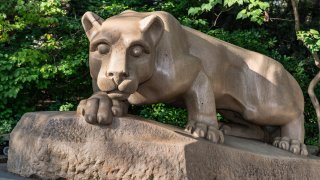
{"type": "Point", "coordinates": [118, 77]}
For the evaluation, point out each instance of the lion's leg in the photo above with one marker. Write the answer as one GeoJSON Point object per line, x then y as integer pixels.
{"type": "Point", "coordinates": [292, 137]}
{"type": "Point", "coordinates": [239, 127]}
{"type": "Point", "coordinates": [200, 102]}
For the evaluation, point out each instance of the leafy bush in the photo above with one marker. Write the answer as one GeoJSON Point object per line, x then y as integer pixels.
{"type": "Point", "coordinates": [250, 9]}
{"type": "Point", "coordinates": [253, 39]}
{"type": "Point", "coordinates": [38, 62]}
{"type": "Point", "coordinates": [311, 39]}
{"type": "Point", "coordinates": [165, 114]}
{"type": "Point", "coordinates": [44, 51]}
{"type": "Point", "coordinates": [67, 107]}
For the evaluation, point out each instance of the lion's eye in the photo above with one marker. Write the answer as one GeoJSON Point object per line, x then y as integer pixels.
{"type": "Point", "coordinates": [136, 50]}
{"type": "Point", "coordinates": [103, 48]}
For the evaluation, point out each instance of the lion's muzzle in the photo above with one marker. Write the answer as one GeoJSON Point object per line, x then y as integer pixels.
{"type": "Point", "coordinates": [118, 88]}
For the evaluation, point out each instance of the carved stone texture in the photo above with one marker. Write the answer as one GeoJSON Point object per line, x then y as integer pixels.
{"type": "Point", "coordinates": [52, 145]}
{"type": "Point", "coordinates": [149, 57]}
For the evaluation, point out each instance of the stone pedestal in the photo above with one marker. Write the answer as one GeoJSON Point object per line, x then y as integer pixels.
{"type": "Point", "coordinates": [52, 145]}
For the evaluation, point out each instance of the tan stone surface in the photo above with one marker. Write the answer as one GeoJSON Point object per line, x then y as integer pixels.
{"type": "Point", "coordinates": [50, 145]}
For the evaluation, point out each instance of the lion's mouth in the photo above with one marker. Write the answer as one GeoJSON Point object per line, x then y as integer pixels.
{"type": "Point", "coordinates": [119, 95]}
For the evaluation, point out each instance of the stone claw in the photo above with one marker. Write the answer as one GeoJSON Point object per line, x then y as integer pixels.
{"type": "Point", "coordinates": [190, 127]}
{"type": "Point", "coordinates": [200, 130]}
{"type": "Point", "coordinates": [304, 150]}
{"type": "Point", "coordinates": [276, 141]}
{"type": "Point", "coordinates": [119, 108]}
{"type": "Point", "coordinates": [203, 130]}
{"type": "Point", "coordinates": [295, 146]}
{"type": "Point", "coordinates": [80, 108]}
{"type": "Point", "coordinates": [292, 145]}
{"type": "Point", "coordinates": [214, 135]}
{"type": "Point", "coordinates": [284, 143]}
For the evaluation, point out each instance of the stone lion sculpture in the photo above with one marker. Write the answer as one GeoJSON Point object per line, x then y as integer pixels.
{"type": "Point", "coordinates": [145, 58]}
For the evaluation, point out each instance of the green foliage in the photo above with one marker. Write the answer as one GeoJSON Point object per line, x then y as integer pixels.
{"type": "Point", "coordinates": [312, 136]}
{"type": "Point", "coordinates": [67, 107]}
{"type": "Point", "coordinates": [7, 126]}
{"type": "Point", "coordinates": [44, 51]}
{"type": "Point", "coordinates": [38, 62]}
{"type": "Point", "coordinates": [250, 9]}
{"type": "Point", "coordinates": [254, 39]}
{"type": "Point", "coordinates": [255, 10]}
{"type": "Point", "coordinates": [311, 39]}
{"type": "Point", "coordinates": [165, 114]}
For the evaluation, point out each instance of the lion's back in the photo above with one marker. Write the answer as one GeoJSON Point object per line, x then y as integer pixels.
{"type": "Point", "coordinates": [246, 77]}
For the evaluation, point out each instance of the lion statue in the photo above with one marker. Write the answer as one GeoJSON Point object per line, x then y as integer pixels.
{"type": "Point", "coordinates": [149, 57]}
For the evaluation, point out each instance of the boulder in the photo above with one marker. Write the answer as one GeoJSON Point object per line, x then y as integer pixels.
{"type": "Point", "coordinates": [52, 145]}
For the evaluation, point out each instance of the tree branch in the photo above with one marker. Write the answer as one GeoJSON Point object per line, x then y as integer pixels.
{"type": "Point", "coordinates": [280, 19]}
{"type": "Point", "coordinates": [218, 15]}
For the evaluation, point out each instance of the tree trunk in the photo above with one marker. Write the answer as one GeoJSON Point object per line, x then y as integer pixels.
{"type": "Point", "coordinates": [296, 15]}
{"type": "Point", "coordinates": [314, 98]}
{"type": "Point", "coordinates": [317, 4]}
{"type": "Point", "coordinates": [316, 59]}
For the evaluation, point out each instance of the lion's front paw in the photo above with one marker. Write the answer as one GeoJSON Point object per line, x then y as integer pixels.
{"type": "Point", "coordinates": [205, 131]}
{"type": "Point", "coordinates": [119, 108]}
{"type": "Point", "coordinates": [294, 146]}
{"type": "Point", "coordinates": [96, 109]}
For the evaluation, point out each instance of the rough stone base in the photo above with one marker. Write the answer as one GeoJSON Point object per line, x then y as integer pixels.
{"type": "Point", "coordinates": [51, 145]}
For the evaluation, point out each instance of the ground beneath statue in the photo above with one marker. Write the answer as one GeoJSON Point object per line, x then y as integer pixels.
{"type": "Point", "coordinates": [4, 174]}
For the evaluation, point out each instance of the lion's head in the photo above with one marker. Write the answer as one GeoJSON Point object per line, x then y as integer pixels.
{"type": "Point", "coordinates": [122, 50]}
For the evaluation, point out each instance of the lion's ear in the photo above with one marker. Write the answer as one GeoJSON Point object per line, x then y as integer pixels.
{"type": "Point", "coordinates": [91, 23]}
{"type": "Point", "coordinates": [153, 26]}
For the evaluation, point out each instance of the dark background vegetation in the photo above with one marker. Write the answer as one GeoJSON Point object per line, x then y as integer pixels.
{"type": "Point", "coordinates": [44, 51]}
